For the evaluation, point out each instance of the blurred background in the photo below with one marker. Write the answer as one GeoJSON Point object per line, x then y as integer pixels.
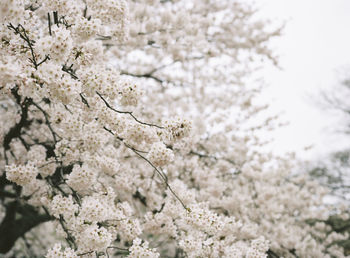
{"type": "Point", "coordinates": [314, 60]}
{"type": "Point", "coordinates": [311, 90]}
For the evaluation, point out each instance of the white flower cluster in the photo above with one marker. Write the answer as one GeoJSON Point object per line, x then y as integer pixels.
{"type": "Point", "coordinates": [58, 46]}
{"type": "Point", "coordinates": [81, 178]}
{"type": "Point", "coordinates": [69, 8]}
{"type": "Point", "coordinates": [152, 222]}
{"type": "Point", "coordinates": [139, 134]}
{"type": "Point", "coordinates": [109, 166]}
{"type": "Point", "coordinates": [64, 206]}
{"type": "Point", "coordinates": [95, 209]}
{"type": "Point", "coordinates": [94, 238]}
{"type": "Point", "coordinates": [9, 72]}
{"type": "Point", "coordinates": [87, 53]}
{"type": "Point", "coordinates": [37, 154]}
{"type": "Point", "coordinates": [178, 128]}
{"type": "Point", "coordinates": [139, 249]}
{"type": "Point", "coordinates": [93, 79]}
{"type": "Point", "coordinates": [60, 87]}
{"type": "Point", "coordinates": [87, 29]}
{"type": "Point", "coordinates": [129, 94]}
{"type": "Point", "coordinates": [57, 252]}
{"type": "Point", "coordinates": [11, 10]}
{"type": "Point", "coordinates": [21, 174]}
{"type": "Point", "coordinates": [160, 155]}
{"type": "Point", "coordinates": [258, 248]}
{"type": "Point", "coordinates": [113, 13]}
{"type": "Point", "coordinates": [203, 219]}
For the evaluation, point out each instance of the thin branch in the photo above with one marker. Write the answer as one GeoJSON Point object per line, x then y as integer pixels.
{"type": "Point", "coordinates": [49, 21]}
{"type": "Point", "coordinates": [211, 157]}
{"type": "Point", "coordinates": [15, 131]}
{"type": "Point", "coordinates": [69, 238]}
{"type": "Point", "coordinates": [160, 173]}
{"type": "Point", "coordinates": [47, 121]}
{"type": "Point", "coordinates": [146, 75]}
{"type": "Point", "coordinates": [82, 254]}
{"type": "Point", "coordinates": [70, 71]}
{"type": "Point", "coordinates": [20, 30]}
{"type": "Point", "coordinates": [121, 139]}
{"type": "Point", "coordinates": [55, 18]}
{"type": "Point", "coordinates": [83, 99]}
{"type": "Point", "coordinates": [46, 58]}
{"type": "Point", "coordinates": [126, 112]}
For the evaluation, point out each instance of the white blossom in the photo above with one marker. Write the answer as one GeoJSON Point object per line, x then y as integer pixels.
{"type": "Point", "coordinates": [81, 178]}
{"type": "Point", "coordinates": [63, 206]}
{"type": "Point", "coordinates": [160, 155]}
{"type": "Point", "coordinates": [139, 249]}
{"type": "Point", "coordinates": [57, 252]}
{"type": "Point", "coordinates": [21, 174]}
{"type": "Point", "coordinates": [94, 238]}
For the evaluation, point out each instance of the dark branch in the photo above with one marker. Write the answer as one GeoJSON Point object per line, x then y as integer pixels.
{"type": "Point", "coordinates": [18, 220]}
{"type": "Point", "coordinates": [126, 112]}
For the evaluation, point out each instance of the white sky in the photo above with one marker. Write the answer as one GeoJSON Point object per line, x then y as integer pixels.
{"type": "Point", "coordinates": [316, 42]}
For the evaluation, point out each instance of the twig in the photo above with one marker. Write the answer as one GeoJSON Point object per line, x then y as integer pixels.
{"type": "Point", "coordinates": [83, 99]}
{"type": "Point", "coordinates": [160, 173]}
{"type": "Point", "coordinates": [126, 112]}
{"type": "Point", "coordinates": [70, 71]}
{"type": "Point", "coordinates": [20, 30]}
{"type": "Point", "coordinates": [146, 75]}
{"type": "Point", "coordinates": [211, 157]}
{"type": "Point", "coordinates": [55, 18]}
{"type": "Point", "coordinates": [85, 253]}
{"type": "Point", "coordinates": [49, 21]}
{"type": "Point", "coordinates": [69, 237]}
{"type": "Point", "coordinates": [121, 139]}
{"type": "Point", "coordinates": [47, 122]}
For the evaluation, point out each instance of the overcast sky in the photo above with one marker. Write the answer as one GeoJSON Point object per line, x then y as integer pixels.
{"type": "Point", "coordinates": [315, 44]}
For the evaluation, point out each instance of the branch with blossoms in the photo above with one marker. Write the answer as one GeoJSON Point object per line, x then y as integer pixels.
{"type": "Point", "coordinates": [160, 173]}
{"type": "Point", "coordinates": [56, 181]}
{"type": "Point", "coordinates": [21, 31]}
{"type": "Point", "coordinates": [127, 112]}
{"type": "Point", "coordinates": [81, 152]}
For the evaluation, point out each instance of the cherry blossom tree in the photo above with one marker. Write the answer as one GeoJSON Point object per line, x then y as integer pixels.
{"type": "Point", "coordinates": [130, 128]}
